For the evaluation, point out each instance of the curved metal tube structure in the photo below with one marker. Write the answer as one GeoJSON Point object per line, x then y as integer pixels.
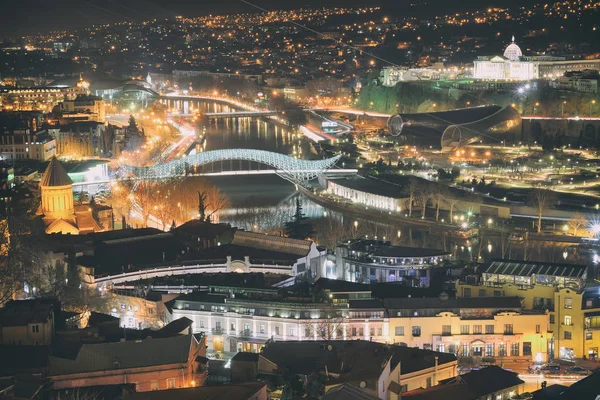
{"type": "Point", "coordinates": [500, 124]}
{"type": "Point", "coordinates": [457, 128]}
{"type": "Point", "coordinates": [290, 168]}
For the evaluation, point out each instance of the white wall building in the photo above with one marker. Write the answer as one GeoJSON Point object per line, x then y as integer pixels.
{"type": "Point", "coordinates": [25, 146]}
{"type": "Point", "coordinates": [235, 324]}
{"type": "Point", "coordinates": [513, 66]}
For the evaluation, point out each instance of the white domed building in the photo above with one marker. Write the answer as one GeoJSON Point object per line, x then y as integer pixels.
{"type": "Point", "coordinates": [513, 51]}
{"type": "Point", "coordinates": [514, 66]}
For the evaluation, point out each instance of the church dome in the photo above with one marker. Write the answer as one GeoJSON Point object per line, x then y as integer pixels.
{"type": "Point", "coordinates": [513, 52]}
{"type": "Point", "coordinates": [55, 175]}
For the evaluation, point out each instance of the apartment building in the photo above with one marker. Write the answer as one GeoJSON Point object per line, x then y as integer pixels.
{"type": "Point", "coordinates": [492, 329]}
{"type": "Point", "coordinates": [241, 319]}
{"type": "Point", "coordinates": [560, 288]}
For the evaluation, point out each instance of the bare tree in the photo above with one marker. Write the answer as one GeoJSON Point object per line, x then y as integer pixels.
{"type": "Point", "coordinates": [439, 195]}
{"type": "Point", "coordinates": [412, 192]}
{"type": "Point", "coordinates": [424, 194]}
{"type": "Point", "coordinates": [165, 210]}
{"type": "Point", "coordinates": [20, 254]}
{"type": "Point", "coordinates": [331, 231]}
{"type": "Point", "coordinates": [144, 193]}
{"type": "Point", "coordinates": [328, 327]}
{"type": "Point", "coordinates": [541, 200]}
{"type": "Point", "coordinates": [577, 221]}
{"type": "Point", "coordinates": [183, 198]}
{"type": "Point", "coordinates": [215, 201]}
{"type": "Point", "coordinates": [451, 200]}
{"type": "Point", "coordinates": [80, 394]}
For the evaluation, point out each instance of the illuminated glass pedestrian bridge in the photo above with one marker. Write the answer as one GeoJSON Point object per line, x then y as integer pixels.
{"type": "Point", "coordinates": [293, 169]}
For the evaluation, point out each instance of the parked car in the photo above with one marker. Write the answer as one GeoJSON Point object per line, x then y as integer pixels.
{"type": "Point", "coordinates": [523, 396]}
{"type": "Point", "coordinates": [577, 370]}
{"type": "Point", "coordinates": [550, 369]}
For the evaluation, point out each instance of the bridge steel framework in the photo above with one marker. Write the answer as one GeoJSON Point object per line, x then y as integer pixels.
{"type": "Point", "coordinates": [293, 169]}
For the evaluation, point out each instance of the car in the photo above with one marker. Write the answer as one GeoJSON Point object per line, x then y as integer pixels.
{"type": "Point", "coordinates": [523, 396]}
{"type": "Point", "coordinates": [550, 369]}
{"type": "Point", "coordinates": [577, 370]}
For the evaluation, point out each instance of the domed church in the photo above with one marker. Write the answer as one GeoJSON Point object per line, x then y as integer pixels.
{"type": "Point", "coordinates": [60, 215]}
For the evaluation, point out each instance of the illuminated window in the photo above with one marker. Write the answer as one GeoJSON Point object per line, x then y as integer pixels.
{"type": "Point", "coordinates": [514, 349]}
{"type": "Point", "coordinates": [568, 302]}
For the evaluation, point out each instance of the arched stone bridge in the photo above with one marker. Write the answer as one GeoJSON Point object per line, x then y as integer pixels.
{"type": "Point", "coordinates": [293, 169]}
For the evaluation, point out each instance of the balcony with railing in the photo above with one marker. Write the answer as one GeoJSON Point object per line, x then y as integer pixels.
{"type": "Point", "coordinates": [217, 331]}
{"type": "Point", "coordinates": [245, 333]}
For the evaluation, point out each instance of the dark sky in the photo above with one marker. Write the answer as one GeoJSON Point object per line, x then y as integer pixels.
{"type": "Point", "coordinates": [24, 17]}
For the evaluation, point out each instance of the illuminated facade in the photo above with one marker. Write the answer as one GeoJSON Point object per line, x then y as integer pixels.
{"type": "Point", "coordinates": [60, 215]}
{"type": "Point", "coordinates": [92, 108]}
{"type": "Point", "coordinates": [494, 328]}
{"type": "Point", "coordinates": [513, 66]}
{"type": "Point", "coordinates": [573, 309]}
{"type": "Point", "coordinates": [38, 98]}
{"type": "Point", "coordinates": [25, 146]}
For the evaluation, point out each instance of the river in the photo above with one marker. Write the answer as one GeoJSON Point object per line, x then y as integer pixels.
{"type": "Point", "coordinates": [265, 202]}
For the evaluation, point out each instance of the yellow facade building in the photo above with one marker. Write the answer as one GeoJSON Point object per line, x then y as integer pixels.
{"type": "Point", "coordinates": [60, 214]}
{"type": "Point", "coordinates": [493, 330]}
{"type": "Point", "coordinates": [573, 309]}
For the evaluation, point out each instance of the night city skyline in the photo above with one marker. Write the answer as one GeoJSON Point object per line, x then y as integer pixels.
{"type": "Point", "coordinates": [249, 200]}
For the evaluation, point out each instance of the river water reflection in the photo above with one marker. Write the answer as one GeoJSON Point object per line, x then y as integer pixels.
{"type": "Point", "coordinates": [266, 202]}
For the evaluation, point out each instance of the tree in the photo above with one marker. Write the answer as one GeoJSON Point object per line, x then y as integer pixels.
{"type": "Point", "coordinates": [541, 200]}
{"type": "Point", "coordinates": [144, 192]}
{"type": "Point", "coordinates": [300, 227]}
{"type": "Point", "coordinates": [293, 387]}
{"type": "Point", "coordinates": [452, 201]}
{"type": "Point", "coordinates": [132, 127]}
{"type": "Point", "coordinates": [80, 394]}
{"type": "Point", "coordinates": [424, 194]}
{"type": "Point", "coordinates": [412, 191]}
{"type": "Point", "coordinates": [20, 254]}
{"type": "Point", "coordinates": [331, 231]}
{"type": "Point", "coordinates": [438, 196]}
{"type": "Point", "coordinates": [210, 202]}
{"type": "Point", "coordinates": [329, 327]}
{"type": "Point", "coordinates": [94, 208]}
{"type": "Point", "coordinates": [577, 221]}
{"type": "Point", "coordinates": [291, 110]}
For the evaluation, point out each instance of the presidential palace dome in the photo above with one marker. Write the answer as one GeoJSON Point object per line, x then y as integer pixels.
{"type": "Point", "coordinates": [513, 52]}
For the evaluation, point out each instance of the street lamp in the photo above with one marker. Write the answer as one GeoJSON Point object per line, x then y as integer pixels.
{"type": "Point", "coordinates": [562, 110]}
{"type": "Point", "coordinates": [591, 104]}
{"type": "Point", "coordinates": [535, 107]}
